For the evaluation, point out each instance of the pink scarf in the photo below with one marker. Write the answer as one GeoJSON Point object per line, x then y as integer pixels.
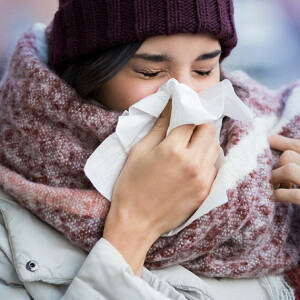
{"type": "Point", "coordinates": [47, 132]}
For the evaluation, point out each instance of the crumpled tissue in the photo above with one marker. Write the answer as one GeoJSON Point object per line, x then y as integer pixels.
{"type": "Point", "coordinates": [188, 107]}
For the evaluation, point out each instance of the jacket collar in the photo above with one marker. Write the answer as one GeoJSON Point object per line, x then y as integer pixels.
{"type": "Point", "coordinates": [37, 251]}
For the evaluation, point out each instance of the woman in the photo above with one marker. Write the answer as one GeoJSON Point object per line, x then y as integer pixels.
{"type": "Point", "coordinates": [114, 54]}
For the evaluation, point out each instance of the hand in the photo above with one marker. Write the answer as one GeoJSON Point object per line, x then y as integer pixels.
{"type": "Point", "coordinates": [287, 171]}
{"type": "Point", "coordinates": [163, 182]}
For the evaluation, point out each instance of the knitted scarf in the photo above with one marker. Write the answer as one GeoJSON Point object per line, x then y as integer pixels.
{"type": "Point", "coordinates": [47, 132]}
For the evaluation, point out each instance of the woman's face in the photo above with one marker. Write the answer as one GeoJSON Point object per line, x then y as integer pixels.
{"type": "Point", "coordinates": [190, 59]}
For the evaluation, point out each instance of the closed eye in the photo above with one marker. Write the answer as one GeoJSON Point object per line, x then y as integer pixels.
{"type": "Point", "coordinates": [202, 73]}
{"type": "Point", "coordinates": [148, 74]}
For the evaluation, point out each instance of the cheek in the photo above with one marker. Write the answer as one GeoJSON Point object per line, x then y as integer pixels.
{"type": "Point", "coordinates": [127, 93]}
{"type": "Point", "coordinates": [136, 91]}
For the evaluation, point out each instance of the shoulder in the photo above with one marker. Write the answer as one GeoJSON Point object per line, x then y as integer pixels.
{"type": "Point", "coordinates": [8, 275]}
{"type": "Point", "coordinates": [242, 79]}
{"type": "Point", "coordinates": [35, 252]}
{"type": "Point", "coordinates": [263, 100]}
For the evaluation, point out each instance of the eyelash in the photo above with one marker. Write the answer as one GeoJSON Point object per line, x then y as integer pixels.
{"type": "Point", "coordinates": [207, 73]}
{"type": "Point", "coordinates": [151, 75]}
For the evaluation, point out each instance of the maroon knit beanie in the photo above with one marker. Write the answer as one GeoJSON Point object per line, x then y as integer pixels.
{"type": "Point", "coordinates": [84, 27]}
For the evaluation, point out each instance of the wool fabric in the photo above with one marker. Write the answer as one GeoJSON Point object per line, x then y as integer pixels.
{"type": "Point", "coordinates": [47, 132]}
{"type": "Point", "coordinates": [293, 279]}
{"type": "Point", "coordinates": [85, 27]}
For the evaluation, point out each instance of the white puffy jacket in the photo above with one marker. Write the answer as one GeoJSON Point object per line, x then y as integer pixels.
{"type": "Point", "coordinates": [37, 262]}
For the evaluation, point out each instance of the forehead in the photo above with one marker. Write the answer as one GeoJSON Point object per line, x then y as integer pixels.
{"type": "Point", "coordinates": [180, 43]}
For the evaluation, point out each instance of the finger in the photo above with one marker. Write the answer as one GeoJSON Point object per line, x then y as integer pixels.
{"type": "Point", "coordinates": [289, 172]}
{"type": "Point", "coordinates": [166, 113]}
{"type": "Point", "coordinates": [203, 135]}
{"type": "Point", "coordinates": [208, 156]}
{"type": "Point", "coordinates": [287, 157]}
{"type": "Point", "coordinates": [288, 195]}
{"type": "Point", "coordinates": [286, 185]}
{"type": "Point", "coordinates": [283, 143]}
{"type": "Point", "coordinates": [181, 135]}
{"type": "Point", "coordinates": [211, 178]}
{"type": "Point", "coordinates": [159, 131]}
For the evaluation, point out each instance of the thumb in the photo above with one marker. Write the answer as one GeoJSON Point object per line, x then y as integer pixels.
{"type": "Point", "coordinates": [163, 121]}
{"type": "Point", "coordinates": [166, 113]}
{"type": "Point", "coordinates": [159, 131]}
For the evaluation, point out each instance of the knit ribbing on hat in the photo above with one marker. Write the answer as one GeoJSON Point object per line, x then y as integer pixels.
{"type": "Point", "coordinates": [85, 27]}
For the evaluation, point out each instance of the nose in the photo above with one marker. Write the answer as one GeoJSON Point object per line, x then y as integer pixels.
{"type": "Point", "coordinates": [186, 78]}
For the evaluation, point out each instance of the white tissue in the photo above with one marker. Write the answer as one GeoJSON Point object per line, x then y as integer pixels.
{"type": "Point", "coordinates": [105, 164]}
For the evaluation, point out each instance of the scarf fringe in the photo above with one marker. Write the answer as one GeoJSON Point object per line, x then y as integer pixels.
{"type": "Point", "coordinates": [277, 288]}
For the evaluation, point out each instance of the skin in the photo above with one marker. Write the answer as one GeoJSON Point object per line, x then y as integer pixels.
{"type": "Point", "coordinates": [158, 165]}
{"type": "Point", "coordinates": [146, 201]}
{"type": "Point", "coordinates": [159, 59]}
{"type": "Point", "coordinates": [287, 171]}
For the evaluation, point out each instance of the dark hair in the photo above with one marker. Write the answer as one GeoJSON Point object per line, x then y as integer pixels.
{"type": "Point", "coordinates": [89, 73]}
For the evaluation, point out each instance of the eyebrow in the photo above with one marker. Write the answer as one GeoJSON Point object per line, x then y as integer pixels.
{"type": "Point", "coordinates": [153, 57]}
{"type": "Point", "coordinates": [209, 55]}
{"type": "Point", "coordinates": [166, 58]}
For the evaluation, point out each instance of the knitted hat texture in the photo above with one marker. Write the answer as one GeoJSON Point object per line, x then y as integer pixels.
{"type": "Point", "coordinates": [84, 27]}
